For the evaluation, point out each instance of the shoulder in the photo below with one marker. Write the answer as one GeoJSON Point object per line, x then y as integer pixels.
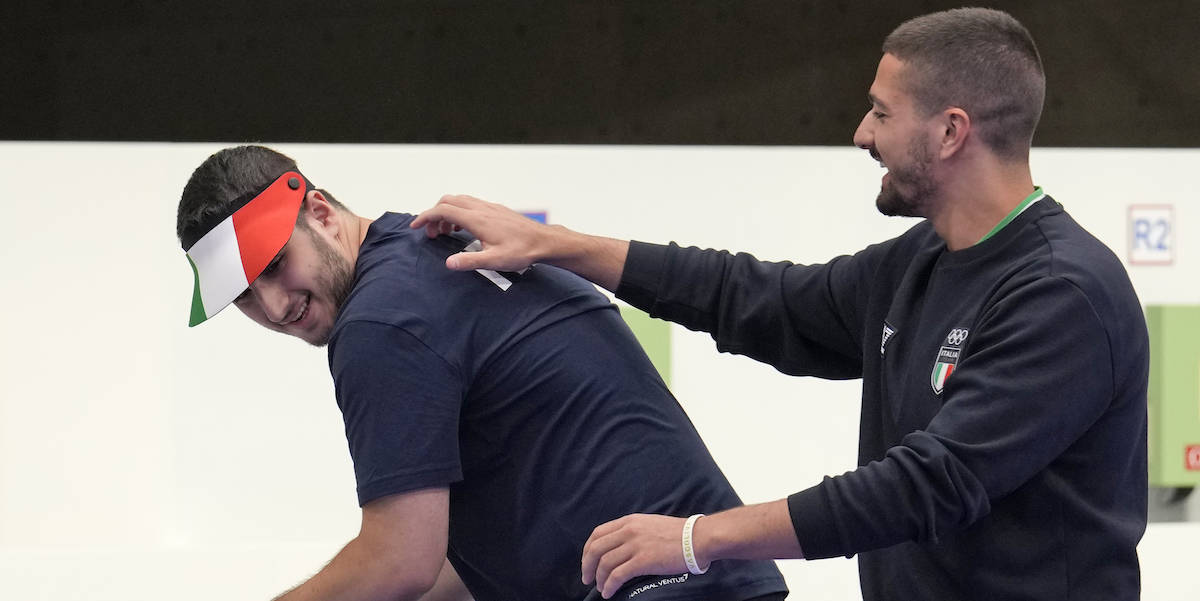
{"type": "Point", "coordinates": [1062, 250]}
{"type": "Point", "coordinates": [1075, 255]}
{"type": "Point", "coordinates": [400, 278]}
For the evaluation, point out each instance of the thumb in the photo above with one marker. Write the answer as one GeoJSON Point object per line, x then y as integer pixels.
{"type": "Point", "coordinates": [464, 261]}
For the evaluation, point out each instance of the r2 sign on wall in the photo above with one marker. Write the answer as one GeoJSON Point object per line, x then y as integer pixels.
{"type": "Point", "coordinates": [1151, 235]}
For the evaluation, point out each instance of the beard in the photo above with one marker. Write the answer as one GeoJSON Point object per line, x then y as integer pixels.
{"type": "Point", "coordinates": [915, 177]}
{"type": "Point", "coordinates": [335, 279]}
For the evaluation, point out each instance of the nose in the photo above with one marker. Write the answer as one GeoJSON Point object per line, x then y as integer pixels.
{"type": "Point", "coordinates": [272, 299]}
{"type": "Point", "coordinates": [864, 136]}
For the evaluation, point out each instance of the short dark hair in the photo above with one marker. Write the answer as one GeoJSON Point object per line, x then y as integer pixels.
{"type": "Point", "coordinates": [980, 60]}
{"type": "Point", "coordinates": [227, 175]}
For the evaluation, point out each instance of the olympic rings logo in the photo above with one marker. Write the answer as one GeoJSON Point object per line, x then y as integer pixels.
{"type": "Point", "coordinates": [957, 336]}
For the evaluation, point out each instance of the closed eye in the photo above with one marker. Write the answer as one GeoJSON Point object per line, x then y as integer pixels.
{"type": "Point", "coordinates": [274, 265]}
{"type": "Point", "coordinates": [271, 268]}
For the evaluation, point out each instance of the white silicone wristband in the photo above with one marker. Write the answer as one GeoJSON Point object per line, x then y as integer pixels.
{"type": "Point", "coordinates": [689, 551]}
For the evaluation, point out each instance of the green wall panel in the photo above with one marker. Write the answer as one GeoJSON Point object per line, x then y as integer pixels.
{"type": "Point", "coordinates": [1174, 394]}
{"type": "Point", "coordinates": [655, 336]}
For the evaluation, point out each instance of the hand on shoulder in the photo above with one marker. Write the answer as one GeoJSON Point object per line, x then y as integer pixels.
{"type": "Point", "coordinates": [511, 241]}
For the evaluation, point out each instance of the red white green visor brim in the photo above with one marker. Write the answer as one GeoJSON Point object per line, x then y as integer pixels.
{"type": "Point", "coordinates": [230, 250]}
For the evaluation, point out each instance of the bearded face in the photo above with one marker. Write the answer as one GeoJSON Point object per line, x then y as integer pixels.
{"type": "Point", "coordinates": [909, 184]}
{"type": "Point", "coordinates": [302, 289]}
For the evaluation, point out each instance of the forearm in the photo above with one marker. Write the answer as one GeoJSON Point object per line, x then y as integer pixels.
{"type": "Point", "coordinates": [761, 531]}
{"type": "Point", "coordinates": [777, 313]}
{"type": "Point", "coordinates": [599, 260]}
{"type": "Point", "coordinates": [449, 587]}
{"type": "Point", "coordinates": [360, 573]}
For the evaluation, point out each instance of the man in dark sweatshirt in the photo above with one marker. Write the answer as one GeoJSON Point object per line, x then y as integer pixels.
{"type": "Point", "coordinates": [1003, 351]}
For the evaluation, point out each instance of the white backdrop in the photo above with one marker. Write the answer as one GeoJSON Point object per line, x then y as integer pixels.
{"type": "Point", "coordinates": [141, 460]}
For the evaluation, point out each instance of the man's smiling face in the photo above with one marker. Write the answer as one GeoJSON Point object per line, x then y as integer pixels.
{"type": "Point", "coordinates": [302, 289]}
{"type": "Point", "coordinates": [894, 133]}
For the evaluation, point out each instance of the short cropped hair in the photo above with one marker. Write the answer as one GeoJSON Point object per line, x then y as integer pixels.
{"type": "Point", "coordinates": [227, 175]}
{"type": "Point", "coordinates": [979, 60]}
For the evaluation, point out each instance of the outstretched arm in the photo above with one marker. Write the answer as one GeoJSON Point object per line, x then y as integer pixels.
{"type": "Point", "coordinates": [512, 242]}
{"type": "Point", "coordinates": [640, 545]}
{"type": "Point", "coordinates": [398, 554]}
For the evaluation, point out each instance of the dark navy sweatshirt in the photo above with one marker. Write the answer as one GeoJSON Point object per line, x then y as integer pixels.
{"type": "Point", "coordinates": [1002, 442]}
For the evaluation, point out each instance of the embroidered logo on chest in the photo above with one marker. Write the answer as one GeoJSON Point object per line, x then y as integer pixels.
{"type": "Point", "coordinates": [947, 359]}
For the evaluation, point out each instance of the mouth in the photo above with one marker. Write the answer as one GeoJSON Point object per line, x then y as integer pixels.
{"type": "Point", "coordinates": [879, 159]}
{"type": "Point", "coordinates": [300, 315]}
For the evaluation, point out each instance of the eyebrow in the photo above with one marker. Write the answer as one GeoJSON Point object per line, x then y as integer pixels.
{"type": "Point", "coordinates": [876, 101]}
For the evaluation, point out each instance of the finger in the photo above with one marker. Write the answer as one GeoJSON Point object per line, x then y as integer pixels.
{"type": "Point", "coordinates": [609, 527]}
{"type": "Point", "coordinates": [619, 576]}
{"type": "Point", "coordinates": [432, 215]}
{"type": "Point", "coordinates": [612, 561]}
{"type": "Point", "coordinates": [603, 553]}
{"type": "Point", "coordinates": [441, 211]}
{"type": "Point", "coordinates": [593, 549]}
{"type": "Point", "coordinates": [454, 262]}
{"type": "Point", "coordinates": [484, 259]}
{"type": "Point", "coordinates": [460, 200]}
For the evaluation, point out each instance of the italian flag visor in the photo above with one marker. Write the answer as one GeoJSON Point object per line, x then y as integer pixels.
{"type": "Point", "coordinates": [229, 250]}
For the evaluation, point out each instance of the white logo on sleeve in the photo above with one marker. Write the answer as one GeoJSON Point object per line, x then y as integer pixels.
{"type": "Point", "coordinates": [888, 332]}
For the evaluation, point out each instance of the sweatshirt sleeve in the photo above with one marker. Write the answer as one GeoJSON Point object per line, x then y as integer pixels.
{"type": "Point", "coordinates": [1037, 375]}
{"type": "Point", "coordinates": [801, 319]}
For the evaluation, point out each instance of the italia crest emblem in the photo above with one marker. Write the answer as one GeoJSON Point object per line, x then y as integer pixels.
{"type": "Point", "coordinates": [947, 359]}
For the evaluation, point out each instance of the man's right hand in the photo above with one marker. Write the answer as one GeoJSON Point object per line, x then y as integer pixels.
{"type": "Point", "coordinates": [512, 242]}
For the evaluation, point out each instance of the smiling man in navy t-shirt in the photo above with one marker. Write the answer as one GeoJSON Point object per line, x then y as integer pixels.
{"type": "Point", "coordinates": [494, 419]}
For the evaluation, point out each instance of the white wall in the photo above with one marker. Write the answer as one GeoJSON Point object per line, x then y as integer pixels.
{"type": "Point", "coordinates": [142, 460]}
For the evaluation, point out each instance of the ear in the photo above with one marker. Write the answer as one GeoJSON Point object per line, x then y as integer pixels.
{"type": "Point", "coordinates": [954, 128]}
{"type": "Point", "coordinates": [321, 213]}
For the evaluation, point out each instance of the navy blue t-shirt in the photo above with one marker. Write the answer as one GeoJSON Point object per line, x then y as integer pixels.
{"type": "Point", "coordinates": [534, 404]}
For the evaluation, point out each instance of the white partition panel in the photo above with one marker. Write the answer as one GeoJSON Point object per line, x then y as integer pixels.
{"type": "Point", "coordinates": [141, 459]}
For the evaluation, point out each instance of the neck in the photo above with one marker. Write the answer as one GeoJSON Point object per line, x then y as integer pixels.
{"type": "Point", "coordinates": [352, 236]}
{"type": "Point", "coordinates": [974, 200]}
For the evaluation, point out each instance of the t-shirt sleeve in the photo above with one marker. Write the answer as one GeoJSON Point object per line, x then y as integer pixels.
{"type": "Point", "coordinates": [801, 319]}
{"type": "Point", "coordinates": [1039, 375]}
{"type": "Point", "coordinates": [400, 402]}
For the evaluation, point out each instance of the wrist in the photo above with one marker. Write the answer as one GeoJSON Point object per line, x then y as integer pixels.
{"type": "Point", "coordinates": [690, 560]}
{"type": "Point", "coordinates": [595, 258]}
{"type": "Point", "coordinates": [560, 246]}
{"type": "Point", "coordinates": [761, 531]}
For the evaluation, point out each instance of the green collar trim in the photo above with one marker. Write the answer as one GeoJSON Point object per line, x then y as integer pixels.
{"type": "Point", "coordinates": [1037, 195]}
